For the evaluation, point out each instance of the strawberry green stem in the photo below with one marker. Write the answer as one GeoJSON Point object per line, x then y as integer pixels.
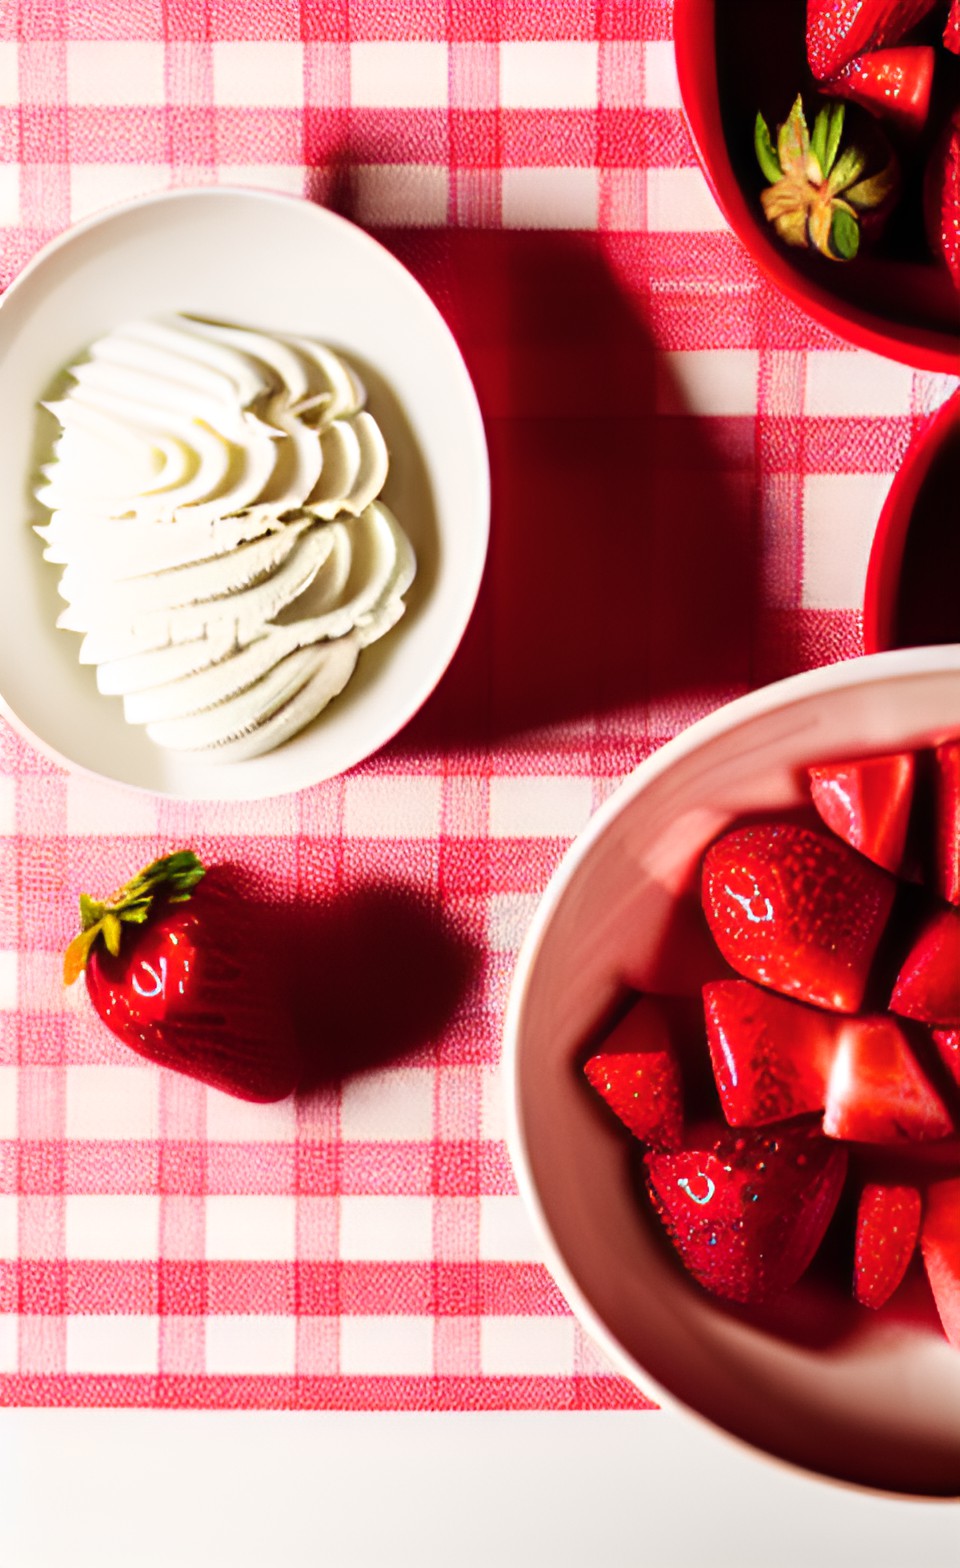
{"type": "Point", "coordinates": [172, 878]}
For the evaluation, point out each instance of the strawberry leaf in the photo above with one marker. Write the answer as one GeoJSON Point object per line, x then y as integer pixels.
{"type": "Point", "coordinates": [818, 140]}
{"type": "Point", "coordinates": [844, 234]}
{"type": "Point", "coordinates": [793, 141]}
{"type": "Point", "coordinates": [834, 132]}
{"type": "Point", "coordinates": [848, 168]}
{"type": "Point", "coordinates": [765, 151]}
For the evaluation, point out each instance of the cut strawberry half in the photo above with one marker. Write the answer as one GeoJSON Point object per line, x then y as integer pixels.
{"type": "Point", "coordinates": [892, 83]}
{"type": "Point", "coordinates": [947, 1042]}
{"type": "Point", "coordinates": [877, 1091]}
{"type": "Point", "coordinates": [747, 1214]}
{"type": "Point", "coordinates": [771, 1056]}
{"type": "Point", "coordinates": [940, 1245]}
{"type": "Point", "coordinates": [796, 910]}
{"type": "Point", "coordinates": [947, 820]}
{"type": "Point", "coordinates": [888, 1224]}
{"type": "Point", "coordinates": [868, 804]}
{"type": "Point", "coordinates": [638, 1075]}
{"type": "Point", "coordinates": [837, 30]}
{"type": "Point", "coordinates": [928, 985]}
{"type": "Point", "coordinates": [951, 32]}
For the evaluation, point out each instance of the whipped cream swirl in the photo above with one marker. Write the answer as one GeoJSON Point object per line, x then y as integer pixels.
{"type": "Point", "coordinates": [213, 497]}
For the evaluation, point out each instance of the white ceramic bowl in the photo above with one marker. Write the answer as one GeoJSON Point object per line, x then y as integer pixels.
{"type": "Point", "coordinates": [878, 1405]}
{"type": "Point", "coordinates": [283, 264]}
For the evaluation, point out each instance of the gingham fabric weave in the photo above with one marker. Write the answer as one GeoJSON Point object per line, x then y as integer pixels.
{"type": "Point", "coordinates": [687, 474]}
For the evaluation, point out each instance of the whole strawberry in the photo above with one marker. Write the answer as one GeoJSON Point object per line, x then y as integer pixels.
{"type": "Point", "coordinates": [173, 969]}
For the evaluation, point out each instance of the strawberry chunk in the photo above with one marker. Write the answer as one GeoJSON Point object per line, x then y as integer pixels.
{"type": "Point", "coordinates": [951, 32]}
{"type": "Point", "coordinates": [947, 1042]}
{"type": "Point", "coordinates": [837, 30]}
{"type": "Point", "coordinates": [798, 911]}
{"type": "Point", "coordinates": [941, 197]}
{"type": "Point", "coordinates": [928, 985]}
{"type": "Point", "coordinates": [893, 83]}
{"type": "Point", "coordinates": [747, 1215]}
{"type": "Point", "coordinates": [947, 820]}
{"type": "Point", "coordinates": [888, 1224]}
{"type": "Point", "coordinates": [638, 1075]}
{"type": "Point", "coordinates": [940, 1245]}
{"type": "Point", "coordinates": [877, 1091]}
{"type": "Point", "coordinates": [868, 804]}
{"type": "Point", "coordinates": [771, 1056]}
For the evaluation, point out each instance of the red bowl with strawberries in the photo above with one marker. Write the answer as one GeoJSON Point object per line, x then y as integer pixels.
{"type": "Point", "coordinates": [732, 1057]}
{"type": "Point", "coordinates": [896, 208]}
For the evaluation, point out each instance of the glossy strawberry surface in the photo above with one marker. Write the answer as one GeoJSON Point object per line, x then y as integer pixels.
{"type": "Point", "coordinates": [942, 197]}
{"type": "Point", "coordinates": [893, 83]}
{"type": "Point", "coordinates": [838, 30]}
{"type": "Point", "coordinates": [877, 1091]}
{"type": "Point", "coordinates": [797, 911]}
{"type": "Point", "coordinates": [638, 1075]}
{"type": "Point", "coordinates": [928, 985]}
{"type": "Point", "coordinates": [888, 1225]}
{"type": "Point", "coordinates": [940, 1245]}
{"type": "Point", "coordinates": [747, 1213]}
{"type": "Point", "coordinates": [771, 1057]}
{"type": "Point", "coordinates": [867, 803]}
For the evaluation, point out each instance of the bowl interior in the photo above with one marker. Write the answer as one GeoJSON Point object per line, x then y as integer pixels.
{"type": "Point", "coordinates": [910, 595]}
{"type": "Point", "coordinates": [282, 264]}
{"type": "Point", "coordinates": [875, 1402]}
{"type": "Point", "coordinates": [736, 57]}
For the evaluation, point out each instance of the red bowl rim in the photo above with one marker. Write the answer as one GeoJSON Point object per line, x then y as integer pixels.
{"type": "Point", "coordinates": [921, 347]}
{"type": "Point", "coordinates": [889, 540]}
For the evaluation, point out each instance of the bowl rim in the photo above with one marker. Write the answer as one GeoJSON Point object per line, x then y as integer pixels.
{"type": "Point", "coordinates": [469, 580]}
{"type": "Point", "coordinates": [898, 663]}
{"type": "Point", "coordinates": [893, 526]}
{"type": "Point", "coordinates": [923, 348]}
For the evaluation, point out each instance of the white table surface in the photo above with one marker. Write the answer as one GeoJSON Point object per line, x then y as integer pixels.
{"type": "Point", "coordinates": [131, 1489]}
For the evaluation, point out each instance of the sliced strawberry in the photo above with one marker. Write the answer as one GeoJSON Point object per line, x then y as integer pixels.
{"type": "Point", "coordinates": [941, 197]}
{"type": "Point", "coordinates": [868, 804]}
{"type": "Point", "coordinates": [947, 1042]}
{"type": "Point", "coordinates": [837, 30]}
{"type": "Point", "coordinates": [940, 1245]}
{"type": "Point", "coordinates": [947, 820]}
{"type": "Point", "coordinates": [893, 83]}
{"type": "Point", "coordinates": [796, 910]}
{"type": "Point", "coordinates": [888, 1224]}
{"type": "Point", "coordinates": [928, 985]}
{"type": "Point", "coordinates": [638, 1075]}
{"type": "Point", "coordinates": [951, 32]}
{"type": "Point", "coordinates": [877, 1091]}
{"type": "Point", "coordinates": [748, 1214]}
{"type": "Point", "coordinates": [771, 1056]}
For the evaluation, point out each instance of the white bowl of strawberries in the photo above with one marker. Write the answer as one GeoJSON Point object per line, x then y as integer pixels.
{"type": "Point", "coordinates": [732, 1054]}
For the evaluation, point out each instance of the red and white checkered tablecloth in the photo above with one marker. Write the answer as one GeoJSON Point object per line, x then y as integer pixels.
{"type": "Point", "coordinates": [686, 477]}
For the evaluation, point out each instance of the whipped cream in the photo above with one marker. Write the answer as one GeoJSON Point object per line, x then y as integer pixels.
{"type": "Point", "coordinates": [214, 504]}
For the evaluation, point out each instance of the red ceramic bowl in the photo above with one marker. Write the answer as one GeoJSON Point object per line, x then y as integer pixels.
{"type": "Point", "coordinates": [737, 56]}
{"type": "Point", "coordinates": [911, 597]}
